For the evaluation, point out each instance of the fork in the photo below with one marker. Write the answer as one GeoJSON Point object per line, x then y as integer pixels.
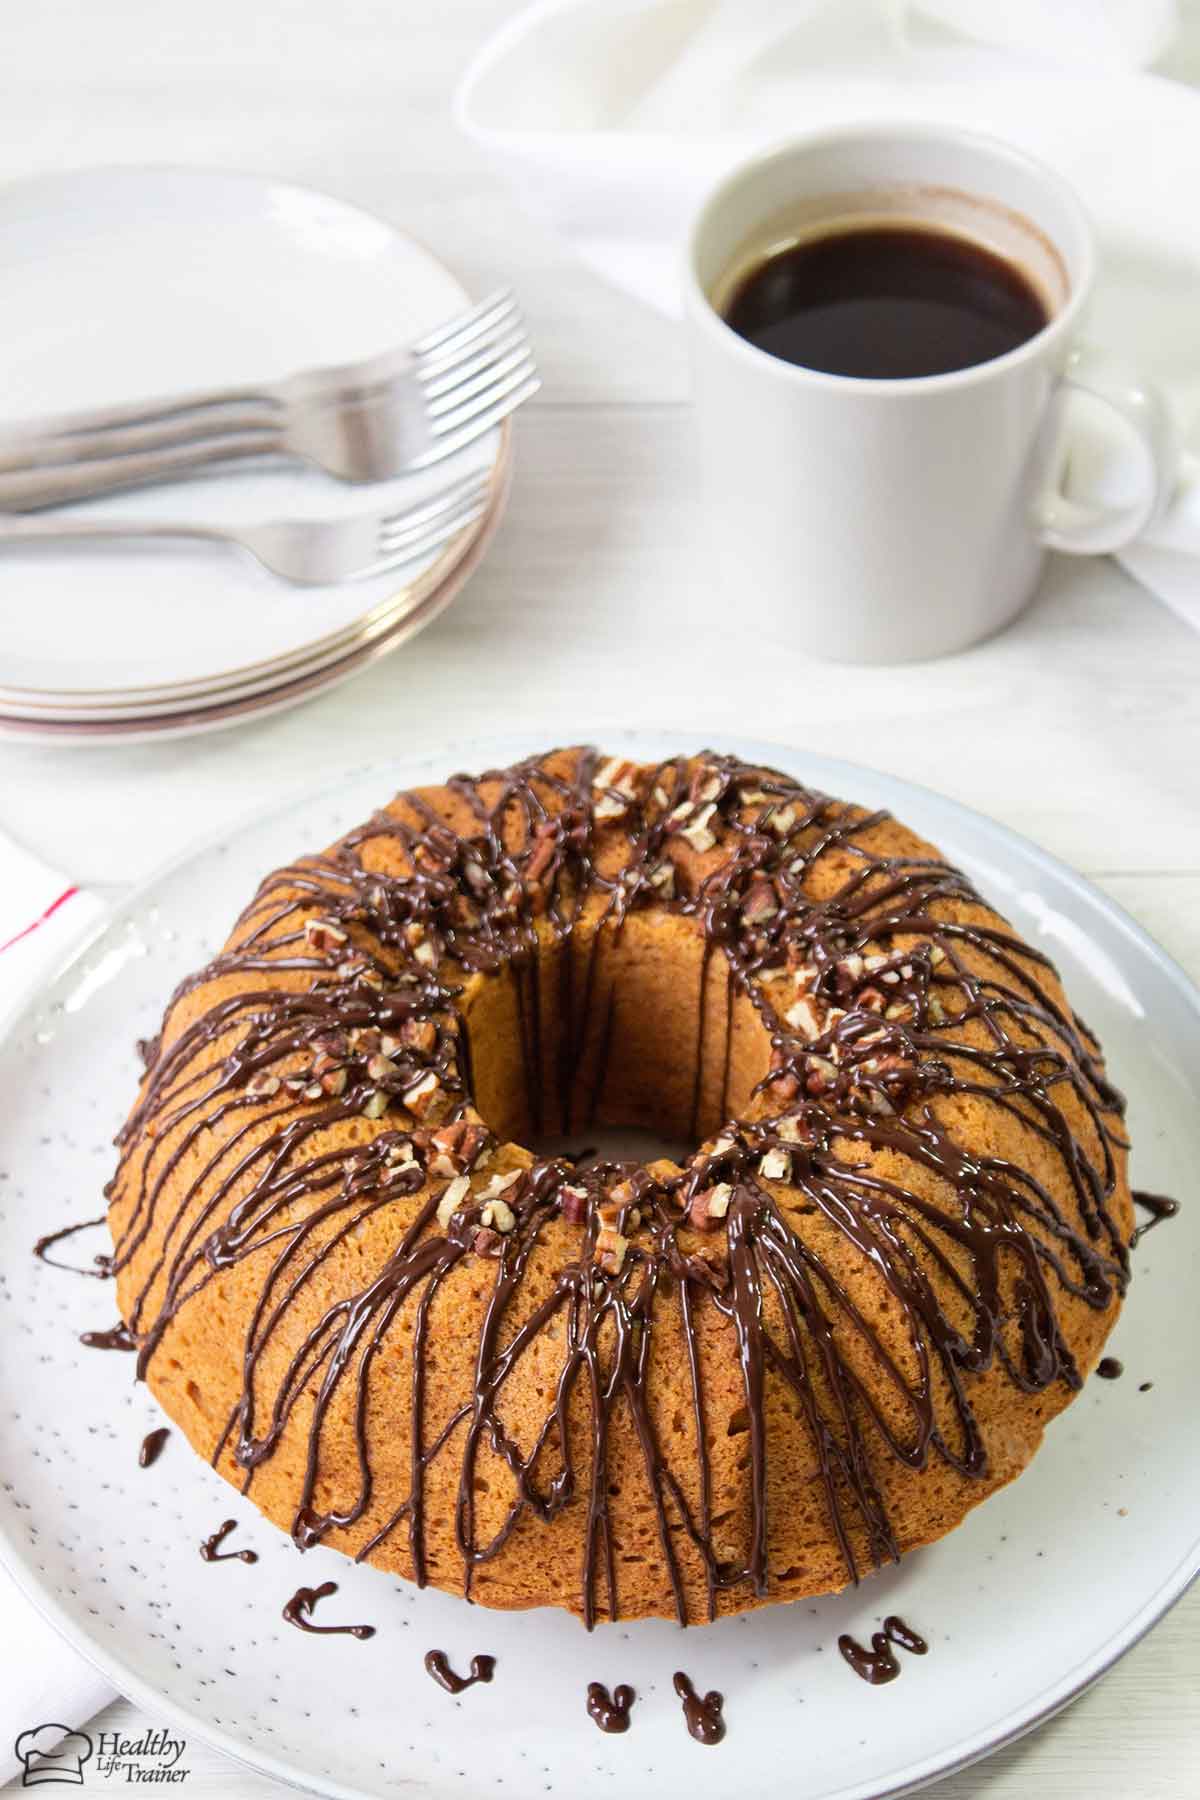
{"type": "Point", "coordinates": [309, 552]}
{"type": "Point", "coordinates": [403, 410]}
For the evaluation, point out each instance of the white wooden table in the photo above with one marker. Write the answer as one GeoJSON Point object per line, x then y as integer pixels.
{"type": "Point", "coordinates": [594, 606]}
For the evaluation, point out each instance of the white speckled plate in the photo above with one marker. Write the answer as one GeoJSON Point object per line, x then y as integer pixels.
{"type": "Point", "coordinates": [1036, 1595]}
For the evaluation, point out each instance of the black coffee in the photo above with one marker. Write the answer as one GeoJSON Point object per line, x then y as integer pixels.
{"type": "Point", "coordinates": [886, 302]}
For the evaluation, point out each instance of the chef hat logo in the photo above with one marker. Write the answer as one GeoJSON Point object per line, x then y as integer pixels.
{"type": "Point", "coordinates": [53, 1753]}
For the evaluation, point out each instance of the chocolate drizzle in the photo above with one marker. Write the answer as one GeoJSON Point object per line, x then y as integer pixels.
{"type": "Point", "coordinates": [1158, 1206]}
{"type": "Point", "coordinates": [1109, 1368]}
{"type": "Point", "coordinates": [879, 1664]}
{"type": "Point", "coordinates": [115, 1337]}
{"type": "Point", "coordinates": [152, 1446]}
{"type": "Point", "coordinates": [610, 1711]}
{"type": "Point", "coordinates": [299, 1610]}
{"type": "Point", "coordinates": [437, 1664]}
{"type": "Point", "coordinates": [211, 1551]}
{"type": "Point", "coordinates": [102, 1268]}
{"type": "Point", "coordinates": [888, 996]}
{"type": "Point", "coordinates": [705, 1720]}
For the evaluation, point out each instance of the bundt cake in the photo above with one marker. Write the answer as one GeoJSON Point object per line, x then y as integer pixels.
{"type": "Point", "coordinates": [892, 1252]}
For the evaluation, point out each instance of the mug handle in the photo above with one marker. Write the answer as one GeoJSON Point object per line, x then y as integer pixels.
{"type": "Point", "coordinates": [1144, 419]}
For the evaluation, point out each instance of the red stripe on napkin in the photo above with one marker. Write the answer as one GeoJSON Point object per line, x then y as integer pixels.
{"type": "Point", "coordinates": [53, 907]}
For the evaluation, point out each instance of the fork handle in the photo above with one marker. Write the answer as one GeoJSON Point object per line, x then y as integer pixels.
{"type": "Point", "coordinates": [26, 530]}
{"type": "Point", "coordinates": [170, 411]}
{"type": "Point", "coordinates": [71, 435]}
{"type": "Point", "coordinates": [28, 454]}
{"type": "Point", "coordinates": [28, 489]}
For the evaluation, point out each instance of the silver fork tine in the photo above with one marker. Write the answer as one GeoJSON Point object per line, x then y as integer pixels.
{"type": "Point", "coordinates": [441, 380]}
{"type": "Point", "coordinates": [397, 545]}
{"type": "Point", "coordinates": [426, 369]}
{"type": "Point", "coordinates": [487, 382]}
{"type": "Point", "coordinates": [494, 395]}
{"type": "Point", "coordinates": [449, 442]}
{"type": "Point", "coordinates": [468, 325]}
{"type": "Point", "coordinates": [445, 501]}
{"type": "Point", "coordinates": [446, 442]}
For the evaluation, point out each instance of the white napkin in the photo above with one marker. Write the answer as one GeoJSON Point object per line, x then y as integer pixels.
{"type": "Point", "coordinates": [614, 117]}
{"type": "Point", "coordinates": [42, 1680]}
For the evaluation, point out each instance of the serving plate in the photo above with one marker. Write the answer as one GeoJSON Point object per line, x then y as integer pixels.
{"type": "Point", "coordinates": [1028, 1602]}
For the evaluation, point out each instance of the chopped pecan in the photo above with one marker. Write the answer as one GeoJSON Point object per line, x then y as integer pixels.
{"type": "Point", "coordinates": [457, 1191]}
{"type": "Point", "coordinates": [610, 1250]}
{"type": "Point", "coordinates": [500, 1184]}
{"type": "Point", "coordinates": [420, 1097]}
{"type": "Point", "coordinates": [662, 879]}
{"type": "Point", "coordinates": [697, 833]}
{"type": "Point", "coordinates": [850, 971]}
{"type": "Point", "coordinates": [573, 1204]}
{"type": "Point", "coordinates": [820, 1076]}
{"type": "Point", "coordinates": [323, 934]}
{"type": "Point", "coordinates": [804, 1018]}
{"type": "Point", "coordinates": [499, 1215]}
{"type": "Point", "coordinates": [794, 1130]}
{"type": "Point", "coordinates": [457, 1147]}
{"type": "Point", "coordinates": [761, 902]}
{"type": "Point", "coordinates": [709, 1207]}
{"type": "Point", "coordinates": [616, 783]}
{"type": "Point", "coordinates": [419, 1035]}
{"type": "Point", "coordinates": [487, 1242]}
{"type": "Point", "coordinates": [706, 785]}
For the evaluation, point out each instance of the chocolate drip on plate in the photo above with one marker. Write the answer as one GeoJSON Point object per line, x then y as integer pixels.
{"type": "Point", "coordinates": [705, 1719]}
{"type": "Point", "coordinates": [299, 1609]}
{"type": "Point", "coordinates": [1109, 1368]}
{"type": "Point", "coordinates": [211, 1551]}
{"type": "Point", "coordinates": [1158, 1206]}
{"type": "Point", "coordinates": [610, 1711]}
{"type": "Point", "coordinates": [102, 1269]}
{"type": "Point", "coordinates": [879, 1664]}
{"type": "Point", "coordinates": [116, 1337]}
{"type": "Point", "coordinates": [437, 1664]}
{"type": "Point", "coordinates": [152, 1446]}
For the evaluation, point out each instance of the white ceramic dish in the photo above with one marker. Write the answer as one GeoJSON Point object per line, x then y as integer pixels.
{"type": "Point", "coordinates": [263, 695]}
{"type": "Point", "coordinates": [1034, 1597]}
{"type": "Point", "coordinates": [194, 279]}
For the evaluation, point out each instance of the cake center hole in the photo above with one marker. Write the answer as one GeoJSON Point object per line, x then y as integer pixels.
{"type": "Point", "coordinates": [610, 1143]}
{"type": "Point", "coordinates": [634, 1043]}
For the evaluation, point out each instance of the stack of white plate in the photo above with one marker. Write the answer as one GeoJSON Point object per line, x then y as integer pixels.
{"type": "Point", "coordinates": [123, 284]}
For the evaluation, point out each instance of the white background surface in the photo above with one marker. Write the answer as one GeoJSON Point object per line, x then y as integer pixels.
{"type": "Point", "coordinates": [1079, 726]}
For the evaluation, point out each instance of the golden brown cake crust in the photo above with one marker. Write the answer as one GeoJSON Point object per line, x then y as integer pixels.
{"type": "Point", "coordinates": [684, 1390]}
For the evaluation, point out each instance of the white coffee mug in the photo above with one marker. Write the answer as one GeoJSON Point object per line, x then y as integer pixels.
{"type": "Point", "coordinates": [889, 520]}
